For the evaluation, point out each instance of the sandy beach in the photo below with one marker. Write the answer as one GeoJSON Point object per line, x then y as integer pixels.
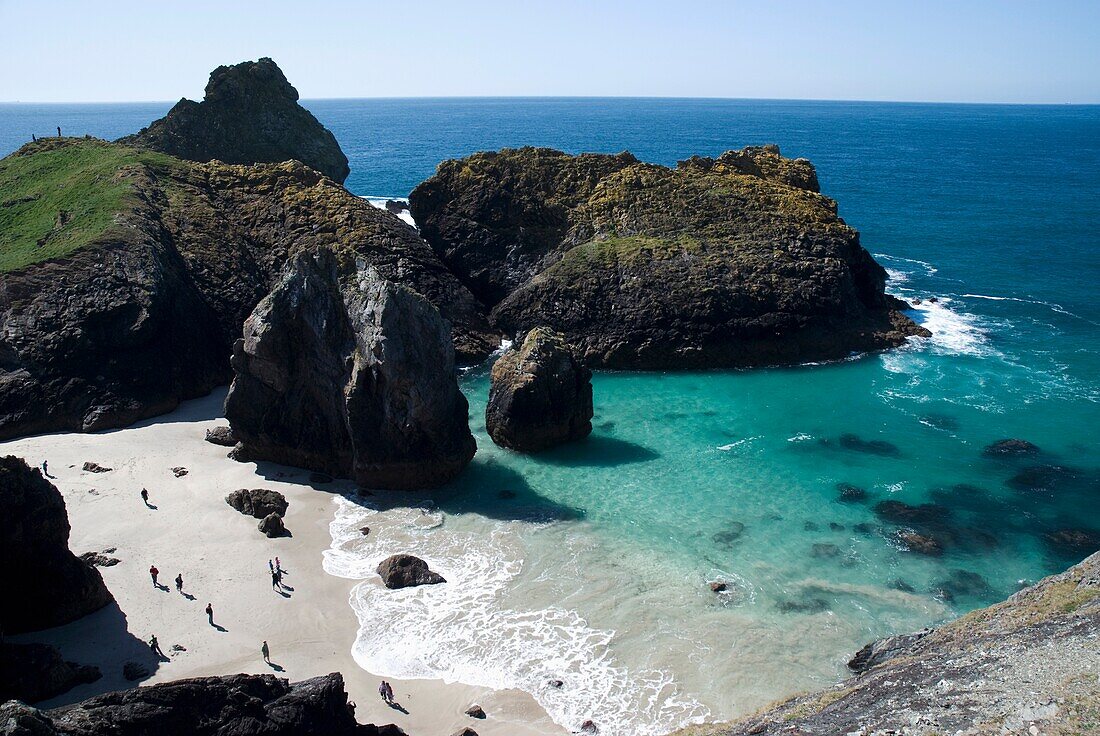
{"type": "Point", "coordinates": [224, 562]}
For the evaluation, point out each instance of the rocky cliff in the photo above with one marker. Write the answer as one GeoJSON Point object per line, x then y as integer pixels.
{"type": "Point", "coordinates": [131, 301]}
{"type": "Point", "coordinates": [733, 261]}
{"type": "Point", "coordinates": [249, 114]}
{"type": "Point", "coordinates": [1027, 665]}
{"type": "Point", "coordinates": [242, 705]}
{"type": "Point", "coordinates": [344, 372]}
{"type": "Point", "coordinates": [540, 394]}
{"type": "Point", "coordinates": [47, 584]}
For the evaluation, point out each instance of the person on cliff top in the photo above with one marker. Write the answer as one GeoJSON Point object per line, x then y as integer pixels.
{"type": "Point", "coordinates": [153, 572]}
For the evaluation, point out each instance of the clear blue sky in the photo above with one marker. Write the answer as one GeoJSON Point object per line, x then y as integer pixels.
{"type": "Point", "coordinates": [977, 51]}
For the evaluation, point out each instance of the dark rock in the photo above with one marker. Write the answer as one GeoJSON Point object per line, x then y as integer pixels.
{"type": "Point", "coordinates": [475, 711]}
{"type": "Point", "coordinates": [882, 650]}
{"type": "Point", "coordinates": [465, 732]}
{"type": "Point", "coordinates": [963, 584]}
{"type": "Point", "coordinates": [352, 376]}
{"type": "Point", "coordinates": [1011, 448]}
{"type": "Point", "coordinates": [237, 705]}
{"type": "Point", "coordinates": [555, 684]}
{"type": "Point", "coordinates": [221, 436]}
{"type": "Point", "coordinates": [546, 238]}
{"type": "Point", "coordinates": [850, 493]}
{"type": "Point", "coordinates": [864, 527]}
{"type": "Point", "coordinates": [98, 559]}
{"type": "Point", "coordinates": [258, 502]}
{"type": "Point", "coordinates": [272, 526]}
{"type": "Point", "coordinates": [1073, 542]}
{"type": "Point", "coordinates": [901, 585]}
{"type": "Point", "coordinates": [1042, 478]}
{"type": "Point", "coordinates": [34, 672]}
{"type": "Point", "coordinates": [719, 586]}
{"type": "Point", "coordinates": [396, 207]}
{"type": "Point", "coordinates": [250, 114]}
{"type": "Point", "coordinates": [405, 571]}
{"type": "Point", "coordinates": [589, 727]}
{"type": "Point", "coordinates": [823, 550]}
{"type": "Point", "coordinates": [540, 394]}
{"type": "Point", "coordinates": [364, 530]}
{"type": "Point", "coordinates": [924, 515]}
{"type": "Point", "coordinates": [90, 467]}
{"type": "Point", "coordinates": [834, 526]}
{"type": "Point", "coordinates": [920, 543]}
{"type": "Point", "coordinates": [47, 584]}
{"type": "Point", "coordinates": [810, 526]}
{"type": "Point", "coordinates": [872, 447]}
{"type": "Point", "coordinates": [730, 534]}
{"type": "Point", "coordinates": [133, 671]}
{"type": "Point", "coordinates": [179, 472]}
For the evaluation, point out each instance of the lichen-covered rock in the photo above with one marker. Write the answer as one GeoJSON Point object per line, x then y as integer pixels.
{"type": "Point", "coordinates": [540, 394]}
{"type": "Point", "coordinates": [47, 585]}
{"type": "Point", "coordinates": [737, 261]}
{"type": "Point", "coordinates": [241, 705]}
{"type": "Point", "coordinates": [351, 376]}
{"type": "Point", "coordinates": [406, 571]}
{"type": "Point", "coordinates": [34, 672]}
{"type": "Point", "coordinates": [250, 114]}
{"type": "Point", "coordinates": [258, 502]}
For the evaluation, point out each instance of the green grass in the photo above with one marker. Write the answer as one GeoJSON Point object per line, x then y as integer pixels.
{"type": "Point", "coordinates": [64, 196]}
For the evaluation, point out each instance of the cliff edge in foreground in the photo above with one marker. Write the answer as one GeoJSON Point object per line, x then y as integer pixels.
{"type": "Point", "coordinates": [1032, 660]}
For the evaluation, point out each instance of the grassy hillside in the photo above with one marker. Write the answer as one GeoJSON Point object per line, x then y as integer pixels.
{"type": "Point", "coordinates": [59, 195]}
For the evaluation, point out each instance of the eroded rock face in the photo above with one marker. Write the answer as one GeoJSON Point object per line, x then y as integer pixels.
{"type": "Point", "coordinates": [250, 114]}
{"type": "Point", "coordinates": [540, 394]}
{"type": "Point", "coordinates": [258, 502]}
{"type": "Point", "coordinates": [242, 705]}
{"type": "Point", "coordinates": [342, 372]}
{"type": "Point", "coordinates": [47, 584]}
{"type": "Point", "coordinates": [406, 571]}
{"type": "Point", "coordinates": [735, 261]}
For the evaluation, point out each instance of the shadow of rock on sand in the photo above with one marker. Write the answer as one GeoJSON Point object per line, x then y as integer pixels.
{"type": "Point", "coordinates": [102, 639]}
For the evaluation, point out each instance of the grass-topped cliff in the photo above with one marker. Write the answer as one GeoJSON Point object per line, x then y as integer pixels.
{"type": "Point", "coordinates": [63, 194]}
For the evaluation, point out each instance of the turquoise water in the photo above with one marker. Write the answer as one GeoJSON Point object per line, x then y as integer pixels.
{"type": "Point", "coordinates": [599, 565]}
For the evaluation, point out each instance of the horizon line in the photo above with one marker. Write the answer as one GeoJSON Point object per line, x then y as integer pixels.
{"type": "Point", "coordinates": [585, 97]}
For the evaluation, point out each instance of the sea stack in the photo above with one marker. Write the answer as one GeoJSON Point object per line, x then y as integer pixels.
{"type": "Point", "coordinates": [249, 114]}
{"type": "Point", "coordinates": [540, 394]}
{"type": "Point", "coordinates": [343, 372]}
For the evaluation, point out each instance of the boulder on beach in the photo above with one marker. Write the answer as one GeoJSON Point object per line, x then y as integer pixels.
{"type": "Point", "coordinates": [540, 394]}
{"type": "Point", "coordinates": [33, 672]}
{"type": "Point", "coordinates": [221, 436]}
{"type": "Point", "coordinates": [272, 526]}
{"type": "Point", "coordinates": [406, 571]}
{"type": "Point", "coordinates": [47, 585]}
{"type": "Point", "coordinates": [345, 373]}
{"type": "Point", "coordinates": [258, 502]}
{"type": "Point", "coordinates": [475, 711]}
{"type": "Point", "coordinates": [90, 467]}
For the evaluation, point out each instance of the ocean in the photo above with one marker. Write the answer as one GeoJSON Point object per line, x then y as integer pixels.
{"type": "Point", "coordinates": [590, 564]}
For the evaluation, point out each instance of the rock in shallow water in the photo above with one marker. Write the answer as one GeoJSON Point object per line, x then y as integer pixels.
{"type": "Point", "coordinates": [352, 376]}
{"type": "Point", "coordinates": [540, 394]}
{"type": "Point", "coordinates": [406, 571]}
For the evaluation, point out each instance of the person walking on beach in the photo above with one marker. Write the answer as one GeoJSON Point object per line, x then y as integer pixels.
{"type": "Point", "coordinates": [271, 567]}
{"type": "Point", "coordinates": [145, 496]}
{"type": "Point", "coordinates": [46, 469]}
{"type": "Point", "coordinates": [153, 572]}
{"type": "Point", "coordinates": [154, 645]}
{"type": "Point", "coordinates": [210, 614]}
{"type": "Point", "coordinates": [386, 692]}
{"type": "Point", "coordinates": [266, 652]}
{"type": "Point", "coordinates": [179, 583]}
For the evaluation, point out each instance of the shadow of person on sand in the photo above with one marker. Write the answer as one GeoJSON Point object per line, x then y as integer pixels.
{"type": "Point", "coordinates": [397, 706]}
{"type": "Point", "coordinates": [277, 667]}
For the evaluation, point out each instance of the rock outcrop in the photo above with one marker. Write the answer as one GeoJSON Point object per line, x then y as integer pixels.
{"type": "Point", "coordinates": [272, 526]}
{"type": "Point", "coordinates": [258, 502]}
{"type": "Point", "coordinates": [242, 705]}
{"type": "Point", "coordinates": [1026, 665]}
{"type": "Point", "coordinates": [249, 114]}
{"type": "Point", "coordinates": [47, 585]}
{"type": "Point", "coordinates": [221, 436]}
{"type": "Point", "coordinates": [734, 261]}
{"type": "Point", "coordinates": [34, 672]}
{"type": "Point", "coordinates": [140, 308]}
{"type": "Point", "coordinates": [540, 394]}
{"type": "Point", "coordinates": [407, 571]}
{"type": "Point", "coordinates": [343, 372]}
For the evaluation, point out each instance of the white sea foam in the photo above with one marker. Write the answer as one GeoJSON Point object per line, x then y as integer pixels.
{"type": "Point", "coordinates": [466, 631]}
{"type": "Point", "coordinates": [952, 331]}
{"type": "Point", "coordinates": [800, 437]}
{"type": "Point", "coordinates": [380, 203]}
{"type": "Point", "coordinates": [738, 443]}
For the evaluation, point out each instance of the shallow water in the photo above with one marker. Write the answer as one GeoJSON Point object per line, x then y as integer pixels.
{"type": "Point", "coordinates": [596, 571]}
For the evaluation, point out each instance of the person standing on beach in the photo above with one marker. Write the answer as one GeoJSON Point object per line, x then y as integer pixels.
{"type": "Point", "coordinates": [210, 614]}
{"type": "Point", "coordinates": [266, 652]}
{"type": "Point", "coordinates": [179, 583]}
{"type": "Point", "coordinates": [153, 572]}
{"type": "Point", "coordinates": [154, 645]}
{"type": "Point", "coordinates": [45, 468]}
{"type": "Point", "coordinates": [278, 567]}
{"type": "Point", "coordinates": [383, 688]}
{"type": "Point", "coordinates": [271, 567]}
{"type": "Point", "coordinates": [145, 496]}
{"type": "Point", "coordinates": [276, 582]}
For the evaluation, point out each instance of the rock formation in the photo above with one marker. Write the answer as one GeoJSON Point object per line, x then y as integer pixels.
{"type": "Point", "coordinates": [1026, 665]}
{"type": "Point", "coordinates": [258, 502]}
{"type": "Point", "coordinates": [1011, 448]}
{"type": "Point", "coordinates": [272, 526]}
{"type": "Point", "coordinates": [342, 372]}
{"type": "Point", "coordinates": [139, 306]}
{"type": "Point", "coordinates": [406, 571]}
{"type": "Point", "coordinates": [242, 705]}
{"type": "Point", "coordinates": [221, 436]}
{"type": "Point", "coordinates": [733, 261]}
{"type": "Point", "coordinates": [249, 114]}
{"type": "Point", "coordinates": [47, 584]}
{"type": "Point", "coordinates": [540, 394]}
{"type": "Point", "coordinates": [34, 672]}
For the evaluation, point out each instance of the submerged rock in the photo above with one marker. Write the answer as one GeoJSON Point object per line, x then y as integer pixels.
{"type": "Point", "coordinates": [540, 394]}
{"type": "Point", "coordinates": [923, 515]}
{"type": "Point", "coordinates": [823, 550]}
{"type": "Point", "coordinates": [920, 543]}
{"type": "Point", "coordinates": [250, 114]}
{"type": "Point", "coordinates": [733, 261]}
{"type": "Point", "coordinates": [1073, 542]}
{"type": "Point", "coordinates": [258, 502]}
{"type": "Point", "coordinates": [406, 571]}
{"type": "Point", "coordinates": [962, 584]}
{"type": "Point", "coordinates": [872, 447]}
{"type": "Point", "coordinates": [850, 493]}
{"type": "Point", "coordinates": [1011, 448]}
{"type": "Point", "coordinates": [351, 376]}
{"type": "Point", "coordinates": [47, 585]}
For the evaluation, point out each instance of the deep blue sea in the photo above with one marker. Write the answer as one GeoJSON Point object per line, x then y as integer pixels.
{"type": "Point", "coordinates": [597, 571]}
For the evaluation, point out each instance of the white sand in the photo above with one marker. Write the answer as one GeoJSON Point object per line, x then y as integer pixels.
{"type": "Point", "coordinates": [223, 559]}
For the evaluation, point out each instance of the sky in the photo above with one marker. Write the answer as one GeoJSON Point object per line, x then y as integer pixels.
{"type": "Point", "coordinates": [1040, 51]}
